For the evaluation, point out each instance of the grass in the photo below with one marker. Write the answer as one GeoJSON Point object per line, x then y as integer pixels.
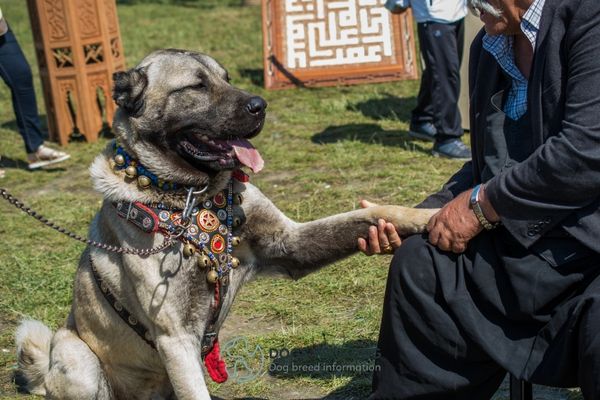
{"type": "Point", "coordinates": [325, 149]}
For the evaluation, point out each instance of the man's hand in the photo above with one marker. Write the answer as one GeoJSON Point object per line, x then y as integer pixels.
{"type": "Point", "coordinates": [451, 228]}
{"type": "Point", "coordinates": [382, 239]}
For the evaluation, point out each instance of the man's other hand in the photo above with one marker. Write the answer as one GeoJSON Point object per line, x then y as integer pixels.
{"type": "Point", "coordinates": [451, 228]}
{"type": "Point", "coordinates": [382, 239]}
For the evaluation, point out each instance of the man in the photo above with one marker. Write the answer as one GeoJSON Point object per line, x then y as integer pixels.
{"type": "Point", "coordinates": [440, 27]}
{"type": "Point", "coordinates": [473, 299]}
{"type": "Point", "coordinates": [16, 73]}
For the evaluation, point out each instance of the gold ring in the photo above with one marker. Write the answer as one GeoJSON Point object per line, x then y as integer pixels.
{"type": "Point", "coordinates": [388, 249]}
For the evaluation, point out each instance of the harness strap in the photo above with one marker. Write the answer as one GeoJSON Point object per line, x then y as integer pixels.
{"type": "Point", "coordinates": [125, 315]}
{"type": "Point", "coordinates": [208, 340]}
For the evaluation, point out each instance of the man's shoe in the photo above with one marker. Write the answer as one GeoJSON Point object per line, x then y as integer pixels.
{"type": "Point", "coordinates": [453, 148]}
{"type": "Point", "coordinates": [423, 131]}
{"type": "Point", "coordinates": [45, 156]}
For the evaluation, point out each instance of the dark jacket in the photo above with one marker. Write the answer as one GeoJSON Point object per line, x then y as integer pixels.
{"type": "Point", "coordinates": [559, 184]}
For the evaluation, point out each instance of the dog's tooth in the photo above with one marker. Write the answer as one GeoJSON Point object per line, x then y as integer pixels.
{"type": "Point", "coordinates": [222, 161]}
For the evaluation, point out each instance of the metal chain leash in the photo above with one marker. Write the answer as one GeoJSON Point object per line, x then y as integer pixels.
{"type": "Point", "coordinates": [115, 249]}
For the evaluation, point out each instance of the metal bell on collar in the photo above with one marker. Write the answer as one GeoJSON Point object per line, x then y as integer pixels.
{"type": "Point", "coordinates": [203, 261]}
{"type": "Point", "coordinates": [120, 160]}
{"type": "Point", "coordinates": [235, 241]}
{"type": "Point", "coordinates": [131, 171]}
{"type": "Point", "coordinates": [188, 250]}
{"type": "Point", "coordinates": [235, 262]}
{"type": "Point", "coordinates": [212, 276]}
{"type": "Point", "coordinates": [144, 182]}
{"type": "Point", "coordinates": [238, 199]}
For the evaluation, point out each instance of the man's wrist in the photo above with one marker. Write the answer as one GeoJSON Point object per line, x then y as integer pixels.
{"type": "Point", "coordinates": [486, 207]}
{"type": "Point", "coordinates": [475, 203]}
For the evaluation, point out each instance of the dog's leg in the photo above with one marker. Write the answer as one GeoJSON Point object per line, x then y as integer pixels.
{"type": "Point", "coordinates": [300, 248]}
{"type": "Point", "coordinates": [182, 361]}
{"type": "Point", "coordinates": [75, 372]}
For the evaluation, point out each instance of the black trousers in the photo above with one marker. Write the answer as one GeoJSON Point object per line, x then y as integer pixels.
{"type": "Point", "coordinates": [453, 325]}
{"type": "Point", "coordinates": [16, 73]}
{"type": "Point", "coordinates": [437, 102]}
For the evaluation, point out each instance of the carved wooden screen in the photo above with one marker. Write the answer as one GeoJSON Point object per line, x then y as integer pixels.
{"type": "Point", "coordinates": [78, 47]}
{"type": "Point", "coordinates": [331, 42]}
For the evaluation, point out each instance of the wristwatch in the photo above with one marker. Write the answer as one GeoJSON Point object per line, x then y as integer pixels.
{"type": "Point", "coordinates": [474, 200]}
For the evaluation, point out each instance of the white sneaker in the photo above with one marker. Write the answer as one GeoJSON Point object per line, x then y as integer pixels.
{"type": "Point", "coordinates": [45, 156]}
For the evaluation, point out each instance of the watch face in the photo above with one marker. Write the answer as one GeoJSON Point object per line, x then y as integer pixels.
{"type": "Point", "coordinates": [474, 194]}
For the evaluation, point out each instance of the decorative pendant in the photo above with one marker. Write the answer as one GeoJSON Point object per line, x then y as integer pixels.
{"type": "Point", "coordinates": [208, 234]}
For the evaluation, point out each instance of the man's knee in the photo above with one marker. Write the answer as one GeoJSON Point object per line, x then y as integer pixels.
{"type": "Point", "coordinates": [412, 263]}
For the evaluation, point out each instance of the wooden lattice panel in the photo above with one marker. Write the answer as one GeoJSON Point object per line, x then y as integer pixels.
{"type": "Point", "coordinates": [78, 47]}
{"type": "Point", "coordinates": [331, 42]}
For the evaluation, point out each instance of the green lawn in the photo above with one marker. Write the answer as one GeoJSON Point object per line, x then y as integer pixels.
{"type": "Point", "coordinates": [324, 149]}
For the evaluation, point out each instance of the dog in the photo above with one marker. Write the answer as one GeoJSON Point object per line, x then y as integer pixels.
{"type": "Point", "coordinates": [141, 323]}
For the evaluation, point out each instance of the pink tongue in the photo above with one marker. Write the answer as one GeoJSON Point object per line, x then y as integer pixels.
{"type": "Point", "coordinates": [247, 154]}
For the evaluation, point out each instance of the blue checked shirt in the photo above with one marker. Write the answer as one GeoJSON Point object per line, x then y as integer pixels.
{"type": "Point", "coordinates": [501, 47]}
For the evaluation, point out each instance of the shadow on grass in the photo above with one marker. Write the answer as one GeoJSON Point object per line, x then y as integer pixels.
{"type": "Point", "coordinates": [354, 359]}
{"type": "Point", "coordinates": [389, 107]}
{"type": "Point", "coordinates": [368, 133]}
{"type": "Point", "coordinates": [254, 74]}
{"type": "Point", "coordinates": [12, 126]}
{"type": "Point", "coordinates": [7, 162]}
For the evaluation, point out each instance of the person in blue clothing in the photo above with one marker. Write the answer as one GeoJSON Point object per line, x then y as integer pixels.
{"type": "Point", "coordinates": [16, 73]}
{"type": "Point", "coordinates": [436, 118]}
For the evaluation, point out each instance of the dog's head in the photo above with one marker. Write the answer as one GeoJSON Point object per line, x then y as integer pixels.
{"type": "Point", "coordinates": [180, 117]}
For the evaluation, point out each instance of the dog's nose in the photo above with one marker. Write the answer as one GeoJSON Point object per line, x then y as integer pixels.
{"type": "Point", "coordinates": [256, 105]}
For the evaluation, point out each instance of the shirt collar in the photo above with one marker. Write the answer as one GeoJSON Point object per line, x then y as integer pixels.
{"type": "Point", "coordinates": [530, 24]}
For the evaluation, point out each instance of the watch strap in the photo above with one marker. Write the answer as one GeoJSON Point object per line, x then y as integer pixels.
{"type": "Point", "coordinates": [476, 207]}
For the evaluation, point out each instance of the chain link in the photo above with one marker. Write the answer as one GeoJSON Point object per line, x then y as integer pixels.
{"type": "Point", "coordinates": [103, 246]}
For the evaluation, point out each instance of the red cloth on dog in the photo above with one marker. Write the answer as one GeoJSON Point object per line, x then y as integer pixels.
{"type": "Point", "coordinates": [215, 364]}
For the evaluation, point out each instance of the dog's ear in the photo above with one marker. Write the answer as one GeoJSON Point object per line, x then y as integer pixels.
{"type": "Point", "coordinates": [128, 90]}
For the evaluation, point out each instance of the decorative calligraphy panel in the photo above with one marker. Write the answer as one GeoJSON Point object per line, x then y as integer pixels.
{"type": "Point", "coordinates": [328, 42]}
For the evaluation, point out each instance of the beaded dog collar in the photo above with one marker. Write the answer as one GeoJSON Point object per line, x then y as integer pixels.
{"type": "Point", "coordinates": [135, 170]}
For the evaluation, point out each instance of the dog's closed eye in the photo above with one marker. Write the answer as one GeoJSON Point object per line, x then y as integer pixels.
{"type": "Point", "coordinates": [196, 86]}
{"type": "Point", "coordinates": [199, 85]}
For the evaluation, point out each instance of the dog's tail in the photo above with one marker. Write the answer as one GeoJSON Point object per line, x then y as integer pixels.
{"type": "Point", "coordinates": [33, 355]}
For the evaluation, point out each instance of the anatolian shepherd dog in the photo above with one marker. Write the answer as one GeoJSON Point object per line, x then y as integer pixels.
{"type": "Point", "coordinates": [140, 326]}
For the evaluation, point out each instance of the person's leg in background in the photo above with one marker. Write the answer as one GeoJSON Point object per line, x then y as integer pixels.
{"type": "Point", "coordinates": [441, 48]}
{"type": "Point", "coordinates": [16, 73]}
{"type": "Point", "coordinates": [422, 116]}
